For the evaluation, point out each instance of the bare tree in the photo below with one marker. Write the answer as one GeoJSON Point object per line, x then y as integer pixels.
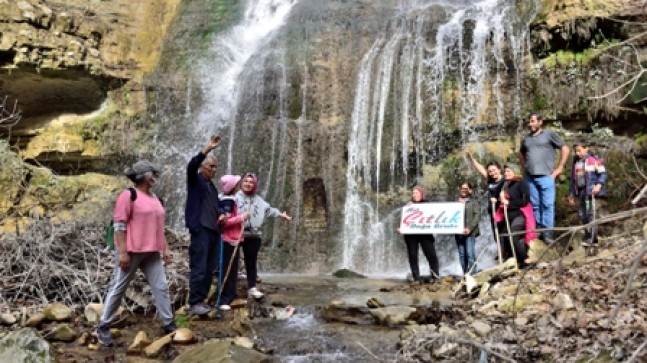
{"type": "Point", "coordinates": [9, 116]}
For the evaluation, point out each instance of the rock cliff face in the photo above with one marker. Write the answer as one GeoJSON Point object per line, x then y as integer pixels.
{"type": "Point", "coordinates": [71, 57]}
{"type": "Point", "coordinates": [75, 68]}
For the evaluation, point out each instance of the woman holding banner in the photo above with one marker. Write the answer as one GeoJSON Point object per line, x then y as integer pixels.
{"type": "Point", "coordinates": [426, 241]}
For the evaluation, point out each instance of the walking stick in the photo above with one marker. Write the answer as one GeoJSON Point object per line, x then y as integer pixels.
{"type": "Point", "coordinates": [594, 228]}
{"type": "Point", "coordinates": [496, 233]}
{"type": "Point", "coordinates": [219, 284]}
{"type": "Point", "coordinates": [476, 262]}
{"type": "Point", "coordinates": [224, 280]}
{"type": "Point", "coordinates": [507, 222]}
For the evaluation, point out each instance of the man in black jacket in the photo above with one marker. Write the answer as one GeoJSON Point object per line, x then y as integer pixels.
{"type": "Point", "coordinates": [201, 218]}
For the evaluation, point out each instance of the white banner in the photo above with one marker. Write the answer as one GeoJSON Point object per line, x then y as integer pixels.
{"type": "Point", "coordinates": [433, 218]}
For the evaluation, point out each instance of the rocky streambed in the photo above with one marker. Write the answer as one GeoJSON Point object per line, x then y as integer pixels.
{"type": "Point", "coordinates": [573, 305]}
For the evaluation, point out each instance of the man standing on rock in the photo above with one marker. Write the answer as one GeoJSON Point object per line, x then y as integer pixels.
{"type": "Point", "coordinates": [201, 216]}
{"type": "Point", "coordinates": [537, 156]}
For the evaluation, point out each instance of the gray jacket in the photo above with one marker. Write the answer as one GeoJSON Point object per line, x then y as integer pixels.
{"type": "Point", "coordinates": [258, 209]}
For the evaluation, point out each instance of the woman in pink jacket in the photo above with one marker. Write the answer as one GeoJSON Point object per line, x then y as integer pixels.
{"type": "Point", "coordinates": [232, 235]}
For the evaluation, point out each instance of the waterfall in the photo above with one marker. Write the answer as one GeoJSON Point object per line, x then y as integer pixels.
{"type": "Point", "coordinates": [403, 88]}
{"type": "Point", "coordinates": [228, 56]}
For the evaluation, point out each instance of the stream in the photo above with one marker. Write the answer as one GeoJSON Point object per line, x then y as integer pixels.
{"type": "Point", "coordinates": [306, 338]}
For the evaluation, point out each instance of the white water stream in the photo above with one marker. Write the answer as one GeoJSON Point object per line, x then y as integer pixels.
{"type": "Point", "coordinates": [229, 54]}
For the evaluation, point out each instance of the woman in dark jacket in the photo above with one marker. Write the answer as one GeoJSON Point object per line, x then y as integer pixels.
{"type": "Point", "coordinates": [515, 201]}
{"type": "Point", "coordinates": [426, 241]}
{"type": "Point", "coordinates": [493, 175]}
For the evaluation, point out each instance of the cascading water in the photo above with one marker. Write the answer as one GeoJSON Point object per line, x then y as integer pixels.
{"type": "Point", "coordinates": [458, 78]}
{"type": "Point", "coordinates": [218, 77]}
{"type": "Point", "coordinates": [229, 54]}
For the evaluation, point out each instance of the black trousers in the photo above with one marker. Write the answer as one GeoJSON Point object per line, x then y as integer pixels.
{"type": "Point", "coordinates": [517, 224]}
{"type": "Point", "coordinates": [203, 259]}
{"type": "Point", "coordinates": [429, 250]}
{"type": "Point", "coordinates": [251, 246]}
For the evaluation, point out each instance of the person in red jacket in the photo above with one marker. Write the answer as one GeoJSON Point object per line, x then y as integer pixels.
{"type": "Point", "coordinates": [232, 236]}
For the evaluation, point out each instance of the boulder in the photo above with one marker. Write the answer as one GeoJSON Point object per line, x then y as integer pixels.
{"type": "Point", "coordinates": [8, 319]}
{"type": "Point", "coordinates": [155, 348]}
{"type": "Point", "coordinates": [62, 333]}
{"type": "Point", "coordinates": [345, 273]}
{"type": "Point", "coordinates": [92, 312]}
{"type": "Point", "coordinates": [140, 342]}
{"type": "Point", "coordinates": [183, 336]}
{"type": "Point", "coordinates": [508, 268]}
{"type": "Point", "coordinates": [220, 351]}
{"type": "Point", "coordinates": [392, 315]}
{"type": "Point", "coordinates": [25, 346]}
{"type": "Point", "coordinates": [340, 311]}
{"type": "Point", "coordinates": [58, 312]}
{"type": "Point", "coordinates": [481, 328]}
{"type": "Point", "coordinates": [244, 342]}
{"type": "Point", "coordinates": [35, 320]}
{"type": "Point", "coordinates": [375, 303]}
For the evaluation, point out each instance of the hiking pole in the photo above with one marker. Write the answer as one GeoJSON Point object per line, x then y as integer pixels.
{"type": "Point", "coordinates": [496, 233]}
{"type": "Point", "coordinates": [594, 228]}
{"type": "Point", "coordinates": [507, 222]}
{"type": "Point", "coordinates": [476, 261]}
{"type": "Point", "coordinates": [219, 284]}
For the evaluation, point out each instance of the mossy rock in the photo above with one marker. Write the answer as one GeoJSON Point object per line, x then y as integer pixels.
{"type": "Point", "coordinates": [345, 273]}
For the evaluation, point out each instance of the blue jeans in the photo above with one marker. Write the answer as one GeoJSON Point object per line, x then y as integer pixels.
{"type": "Point", "coordinates": [466, 254]}
{"type": "Point", "coordinates": [542, 197]}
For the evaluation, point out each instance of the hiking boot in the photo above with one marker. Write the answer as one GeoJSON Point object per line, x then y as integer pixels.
{"type": "Point", "coordinates": [104, 337]}
{"type": "Point", "coordinates": [255, 293]}
{"type": "Point", "coordinates": [199, 309]}
{"type": "Point", "coordinates": [169, 328]}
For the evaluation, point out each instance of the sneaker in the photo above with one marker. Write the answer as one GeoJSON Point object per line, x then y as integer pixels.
{"type": "Point", "coordinates": [255, 293]}
{"type": "Point", "coordinates": [199, 309]}
{"type": "Point", "coordinates": [225, 307]}
{"type": "Point", "coordinates": [169, 328]}
{"type": "Point", "coordinates": [104, 336]}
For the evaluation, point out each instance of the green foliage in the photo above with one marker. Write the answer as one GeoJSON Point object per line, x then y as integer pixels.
{"type": "Point", "coordinates": [566, 58]}
{"type": "Point", "coordinates": [95, 128]}
{"type": "Point", "coordinates": [182, 321]}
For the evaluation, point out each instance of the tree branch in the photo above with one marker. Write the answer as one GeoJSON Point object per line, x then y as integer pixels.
{"type": "Point", "coordinates": [9, 117]}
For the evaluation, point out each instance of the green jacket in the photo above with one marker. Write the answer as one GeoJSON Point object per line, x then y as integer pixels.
{"type": "Point", "coordinates": [473, 216]}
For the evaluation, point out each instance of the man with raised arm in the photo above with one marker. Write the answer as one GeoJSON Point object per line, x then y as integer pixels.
{"type": "Point", "coordinates": [201, 218]}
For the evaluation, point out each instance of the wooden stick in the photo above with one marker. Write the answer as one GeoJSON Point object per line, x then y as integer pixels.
{"type": "Point", "coordinates": [507, 222]}
{"type": "Point", "coordinates": [496, 234]}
